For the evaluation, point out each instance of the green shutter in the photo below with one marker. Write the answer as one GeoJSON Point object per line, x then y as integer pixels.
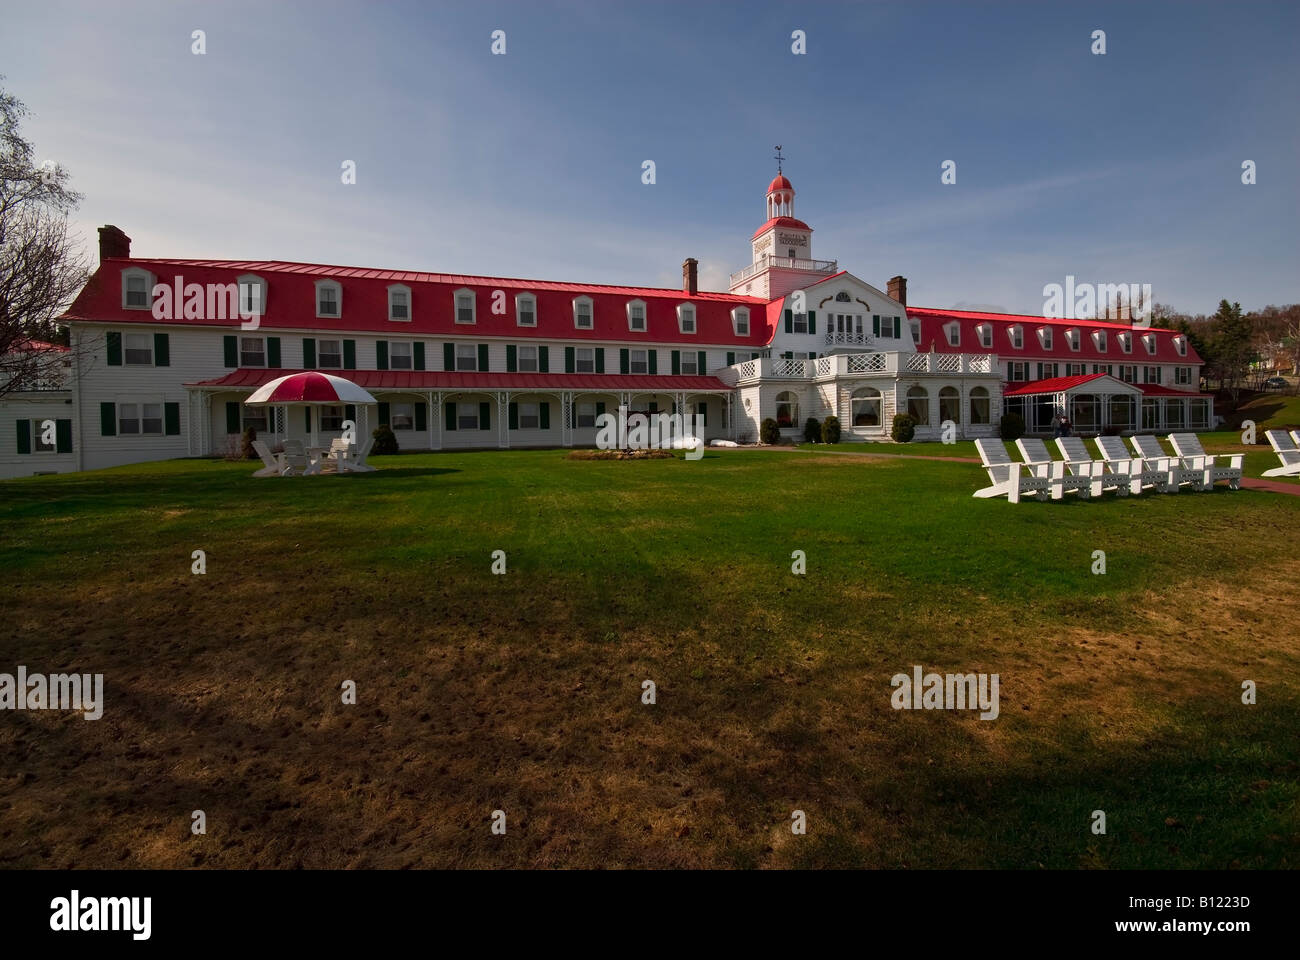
{"type": "Point", "coordinates": [449, 416]}
{"type": "Point", "coordinates": [350, 412]}
{"type": "Point", "coordinates": [485, 416]}
{"type": "Point", "coordinates": [600, 359]}
{"type": "Point", "coordinates": [449, 356]}
{"type": "Point", "coordinates": [107, 420]}
{"type": "Point", "coordinates": [63, 436]}
{"type": "Point", "coordinates": [381, 356]}
{"type": "Point", "coordinates": [309, 353]}
{"type": "Point", "coordinates": [875, 324]}
{"type": "Point", "coordinates": [568, 360]}
{"type": "Point", "coordinates": [512, 362]}
{"type": "Point", "coordinates": [232, 417]}
{"type": "Point", "coordinates": [24, 436]}
{"type": "Point", "coordinates": [418, 349]}
{"type": "Point", "coordinates": [273, 352]}
{"type": "Point", "coordinates": [702, 408]}
{"type": "Point", "coordinates": [789, 321]}
{"type": "Point", "coordinates": [306, 419]}
{"type": "Point", "coordinates": [230, 346]}
{"type": "Point", "coordinates": [677, 363]}
{"type": "Point", "coordinates": [421, 416]}
{"type": "Point", "coordinates": [544, 359]}
{"type": "Point", "coordinates": [114, 341]}
{"type": "Point", "coordinates": [624, 361]}
{"type": "Point", "coordinates": [172, 419]}
{"type": "Point", "coordinates": [654, 361]}
{"type": "Point", "coordinates": [482, 358]}
{"type": "Point", "coordinates": [162, 354]}
{"type": "Point", "coordinates": [812, 321]}
{"type": "Point", "coordinates": [701, 361]}
{"type": "Point", "coordinates": [731, 359]}
{"type": "Point", "coordinates": [600, 407]}
{"type": "Point", "coordinates": [513, 416]}
{"type": "Point", "coordinates": [384, 411]}
{"type": "Point", "coordinates": [546, 416]}
{"type": "Point", "coordinates": [349, 354]}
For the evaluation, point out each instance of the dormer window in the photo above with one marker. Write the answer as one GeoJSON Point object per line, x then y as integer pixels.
{"type": "Point", "coordinates": [399, 302]}
{"type": "Point", "coordinates": [583, 314]}
{"type": "Point", "coordinates": [1125, 342]}
{"type": "Point", "coordinates": [740, 321]}
{"type": "Point", "coordinates": [329, 299]}
{"type": "Point", "coordinates": [916, 331]}
{"type": "Point", "coordinates": [466, 306]}
{"type": "Point", "coordinates": [985, 331]}
{"type": "Point", "coordinates": [686, 317]}
{"type": "Point", "coordinates": [526, 310]}
{"type": "Point", "coordinates": [1180, 344]}
{"type": "Point", "coordinates": [1045, 337]}
{"type": "Point", "coordinates": [1149, 341]}
{"type": "Point", "coordinates": [252, 295]}
{"type": "Point", "coordinates": [137, 289]}
{"type": "Point", "coordinates": [1017, 334]}
{"type": "Point", "coordinates": [1099, 340]}
{"type": "Point", "coordinates": [636, 316]}
{"type": "Point", "coordinates": [1072, 338]}
{"type": "Point", "coordinates": [953, 332]}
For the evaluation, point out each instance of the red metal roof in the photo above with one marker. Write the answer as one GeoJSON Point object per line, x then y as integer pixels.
{"type": "Point", "coordinates": [782, 222]}
{"type": "Point", "coordinates": [1065, 384]}
{"type": "Point", "coordinates": [933, 337]}
{"type": "Point", "coordinates": [251, 378]}
{"type": "Point", "coordinates": [779, 182]}
{"type": "Point", "coordinates": [291, 303]}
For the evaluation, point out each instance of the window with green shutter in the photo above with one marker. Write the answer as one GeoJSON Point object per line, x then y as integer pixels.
{"type": "Point", "coordinates": [419, 355]}
{"type": "Point", "coordinates": [449, 356]}
{"type": "Point", "coordinates": [569, 362]}
{"type": "Point", "coordinates": [875, 324]}
{"type": "Point", "coordinates": [731, 359]}
{"type": "Point", "coordinates": [624, 361]}
{"type": "Point", "coordinates": [24, 436]}
{"type": "Point", "coordinates": [544, 359]}
{"type": "Point", "coordinates": [162, 354]}
{"type": "Point", "coordinates": [812, 321]}
{"type": "Point", "coordinates": [113, 341]}
{"type": "Point", "coordinates": [700, 363]}
{"type": "Point", "coordinates": [677, 363]}
{"type": "Point", "coordinates": [230, 347]}
{"type": "Point", "coordinates": [273, 352]}
{"type": "Point", "coordinates": [108, 420]}
{"type": "Point", "coordinates": [482, 358]}
{"type": "Point", "coordinates": [63, 436]}
{"type": "Point", "coordinates": [654, 361]}
{"type": "Point", "coordinates": [789, 321]}
{"type": "Point", "coordinates": [600, 359]}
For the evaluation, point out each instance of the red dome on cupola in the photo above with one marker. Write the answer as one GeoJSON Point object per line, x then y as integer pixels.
{"type": "Point", "coordinates": [779, 183]}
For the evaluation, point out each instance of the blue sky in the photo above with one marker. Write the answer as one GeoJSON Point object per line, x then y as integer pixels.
{"type": "Point", "coordinates": [1123, 168]}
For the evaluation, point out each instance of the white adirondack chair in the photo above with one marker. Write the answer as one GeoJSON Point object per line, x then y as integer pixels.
{"type": "Point", "coordinates": [296, 461]}
{"type": "Point", "coordinates": [1179, 473]}
{"type": "Point", "coordinates": [353, 460]}
{"type": "Point", "coordinates": [1287, 450]}
{"type": "Point", "coordinates": [1034, 452]}
{"type": "Point", "coordinates": [1188, 446]}
{"type": "Point", "coordinates": [1008, 477]}
{"type": "Point", "coordinates": [271, 465]}
{"type": "Point", "coordinates": [1103, 476]}
{"type": "Point", "coordinates": [1140, 474]}
{"type": "Point", "coordinates": [1295, 437]}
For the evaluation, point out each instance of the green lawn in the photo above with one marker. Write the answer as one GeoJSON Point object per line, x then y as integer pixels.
{"type": "Point", "coordinates": [521, 692]}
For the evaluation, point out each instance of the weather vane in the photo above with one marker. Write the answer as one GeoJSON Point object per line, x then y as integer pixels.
{"type": "Point", "coordinates": [778, 158]}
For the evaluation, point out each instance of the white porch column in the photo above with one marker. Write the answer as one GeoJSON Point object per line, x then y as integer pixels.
{"type": "Point", "coordinates": [503, 425]}
{"type": "Point", "coordinates": [435, 411]}
{"type": "Point", "coordinates": [566, 419]}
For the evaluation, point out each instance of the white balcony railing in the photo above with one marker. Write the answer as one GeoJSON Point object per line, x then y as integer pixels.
{"type": "Point", "coordinates": [859, 364]}
{"type": "Point", "coordinates": [789, 263]}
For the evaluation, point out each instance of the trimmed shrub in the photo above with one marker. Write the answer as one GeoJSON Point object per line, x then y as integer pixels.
{"type": "Point", "coordinates": [769, 433]}
{"type": "Point", "coordinates": [246, 448]}
{"type": "Point", "coordinates": [903, 428]}
{"type": "Point", "coordinates": [830, 430]}
{"type": "Point", "coordinates": [1011, 426]}
{"type": "Point", "coordinates": [812, 430]}
{"type": "Point", "coordinates": [385, 440]}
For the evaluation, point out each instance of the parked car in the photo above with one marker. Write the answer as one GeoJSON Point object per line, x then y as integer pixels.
{"type": "Point", "coordinates": [1276, 383]}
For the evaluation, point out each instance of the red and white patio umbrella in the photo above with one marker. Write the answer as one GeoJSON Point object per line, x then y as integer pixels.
{"type": "Point", "coordinates": [311, 388]}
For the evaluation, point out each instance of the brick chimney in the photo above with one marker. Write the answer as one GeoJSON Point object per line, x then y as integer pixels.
{"type": "Point", "coordinates": [898, 289]}
{"type": "Point", "coordinates": [113, 243]}
{"type": "Point", "coordinates": [691, 275]}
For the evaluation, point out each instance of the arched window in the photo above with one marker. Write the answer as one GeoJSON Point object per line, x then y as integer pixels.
{"type": "Point", "coordinates": [949, 405]}
{"type": "Point", "coordinates": [787, 410]}
{"type": "Point", "coordinates": [979, 405]}
{"type": "Point", "coordinates": [918, 404]}
{"type": "Point", "coordinates": [843, 297]}
{"type": "Point", "coordinates": [865, 404]}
